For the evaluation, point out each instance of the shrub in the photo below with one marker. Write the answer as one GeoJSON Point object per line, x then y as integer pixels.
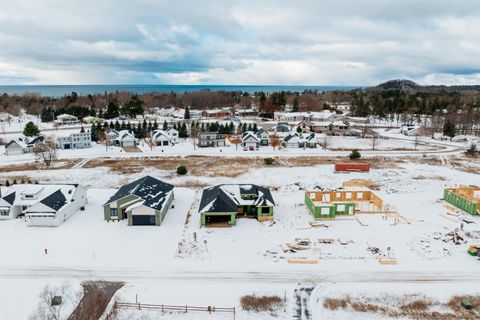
{"type": "Point", "coordinates": [261, 303]}
{"type": "Point", "coordinates": [268, 161]}
{"type": "Point", "coordinates": [355, 155]}
{"type": "Point", "coordinates": [472, 150]}
{"type": "Point", "coordinates": [182, 170]}
{"type": "Point", "coordinates": [336, 303]}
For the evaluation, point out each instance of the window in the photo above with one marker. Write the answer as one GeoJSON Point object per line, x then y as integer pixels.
{"type": "Point", "coordinates": [4, 212]}
{"type": "Point", "coordinates": [113, 212]}
{"type": "Point", "coordinates": [265, 210]}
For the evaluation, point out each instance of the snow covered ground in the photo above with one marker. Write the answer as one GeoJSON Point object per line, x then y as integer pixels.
{"type": "Point", "coordinates": [166, 265]}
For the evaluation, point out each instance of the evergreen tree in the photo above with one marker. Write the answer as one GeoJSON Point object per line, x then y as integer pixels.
{"type": "Point", "coordinates": [250, 128]}
{"type": "Point", "coordinates": [449, 129]}
{"type": "Point", "coordinates": [183, 133]}
{"type": "Point", "coordinates": [31, 130]}
{"type": "Point", "coordinates": [111, 125]}
{"type": "Point", "coordinates": [47, 115]}
{"type": "Point", "coordinates": [93, 132]}
{"type": "Point", "coordinates": [255, 127]}
{"type": "Point", "coordinates": [244, 127]}
{"type": "Point", "coordinates": [231, 127]}
{"type": "Point", "coordinates": [296, 104]}
{"type": "Point", "coordinates": [133, 107]}
{"type": "Point", "coordinates": [117, 125]}
{"type": "Point", "coordinates": [165, 125]}
{"type": "Point", "coordinates": [113, 110]}
{"type": "Point", "coordinates": [155, 125]}
{"type": "Point", "coordinates": [82, 129]}
{"type": "Point", "coordinates": [187, 113]}
{"type": "Point", "coordinates": [123, 126]}
{"type": "Point", "coordinates": [129, 126]}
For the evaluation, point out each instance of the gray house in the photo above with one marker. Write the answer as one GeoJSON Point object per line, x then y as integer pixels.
{"type": "Point", "coordinates": [78, 140]}
{"type": "Point", "coordinates": [211, 139]}
{"type": "Point", "coordinates": [144, 202]}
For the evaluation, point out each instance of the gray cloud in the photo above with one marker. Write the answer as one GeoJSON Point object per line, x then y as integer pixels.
{"type": "Point", "coordinates": [345, 42]}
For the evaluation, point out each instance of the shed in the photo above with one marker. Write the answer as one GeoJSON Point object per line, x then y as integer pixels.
{"type": "Point", "coordinates": [352, 167]}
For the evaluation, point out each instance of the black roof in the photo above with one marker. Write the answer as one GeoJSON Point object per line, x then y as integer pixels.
{"type": "Point", "coordinates": [55, 201]}
{"type": "Point", "coordinates": [222, 202]}
{"type": "Point", "coordinates": [151, 190]}
{"type": "Point", "coordinates": [10, 198]}
{"type": "Point", "coordinates": [219, 201]}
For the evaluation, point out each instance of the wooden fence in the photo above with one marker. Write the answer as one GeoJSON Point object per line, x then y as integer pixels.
{"type": "Point", "coordinates": [163, 307]}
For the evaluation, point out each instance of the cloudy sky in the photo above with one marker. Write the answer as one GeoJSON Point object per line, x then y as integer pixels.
{"type": "Point", "coordinates": [317, 42]}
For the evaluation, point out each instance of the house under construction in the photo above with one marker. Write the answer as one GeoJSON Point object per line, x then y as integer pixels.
{"type": "Point", "coordinates": [465, 198]}
{"type": "Point", "coordinates": [329, 204]}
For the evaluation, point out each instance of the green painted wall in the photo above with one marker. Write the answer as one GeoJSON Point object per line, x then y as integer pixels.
{"type": "Point", "coordinates": [120, 202]}
{"type": "Point", "coordinates": [315, 210]}
{"type": "Point", "coordinates": [260, 214]}
{"type": "Point", "coordinates": [460, 202]}
{"type": "Point", "coordinates": [233, 217]}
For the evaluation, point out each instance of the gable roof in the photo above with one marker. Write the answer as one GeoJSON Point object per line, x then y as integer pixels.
{"type": "Point", "coordinates": [227, 197]}
{"type": "Point", "coordinates": [153, 191]}
{"type": "Point", "coordinates": [21, 144]}
{"type": "Point", "coordinates": [250, 134]}
{"type": "Point", "coordinates": [55, 201]}
{"type": "Point", "coordinates": [10, 198]}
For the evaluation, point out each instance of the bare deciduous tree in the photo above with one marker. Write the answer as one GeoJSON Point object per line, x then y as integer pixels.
{"type": "Point", "coordinates": [374, 140]}
{"type": "Point", "coordinates": [194, 134]}
{"type": "Point", "coordinates": [325, 142]}
{"type": "Point", "coordinates": [150, 140]}
{"type": "Point", "coordinates": [274, 140]}
{"type": "Point", "coordinates": [46, 151]}
{"type": "Point", "coordinates": [47, 311]}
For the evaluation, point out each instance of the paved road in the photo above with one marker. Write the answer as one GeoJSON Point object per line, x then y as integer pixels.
{"type": "Point", "coordinates": [289, 277]}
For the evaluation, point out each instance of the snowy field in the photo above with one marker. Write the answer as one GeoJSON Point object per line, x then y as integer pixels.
{"type": "Point", "coordinates": [165, 265]}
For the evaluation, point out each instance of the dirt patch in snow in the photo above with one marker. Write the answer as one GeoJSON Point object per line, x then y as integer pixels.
{"type": "Point", "coordinates": [407, 306]}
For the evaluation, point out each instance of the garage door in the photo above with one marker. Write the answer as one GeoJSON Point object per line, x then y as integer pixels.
{"type": "Point", "coordinates": [143, 220]}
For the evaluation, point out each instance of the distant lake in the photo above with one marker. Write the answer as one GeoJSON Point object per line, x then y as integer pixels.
{"type": "Point", "coordinates": [61, 90]}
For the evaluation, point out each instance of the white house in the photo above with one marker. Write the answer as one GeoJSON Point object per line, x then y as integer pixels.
{"type": "Point", "coordinates": [173, 134]}
{"type": "Point", "coordinates": [122, 138]}
{"type": "Point", "coordinates": [77, 140]}
{"type": "Point", "coordinates": [66, 119]}
{"type": "Point", "coordinates": [165, 137]}
{"type": "Point", "coordinates": [262, 135]}
{"type": "Point", "coordinates": [22, 145]}
{"type": "Point", "coordinates": [250, 141]}
{"type": "Point", "coordinates": [43, 205]}
{"type": "Point", "coordinates": [292, 140]}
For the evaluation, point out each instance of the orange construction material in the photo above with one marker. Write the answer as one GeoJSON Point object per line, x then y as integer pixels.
{"type": "Point", "coordinates": [352, 167]}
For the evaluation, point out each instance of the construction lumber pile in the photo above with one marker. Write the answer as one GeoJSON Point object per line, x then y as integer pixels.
{"type": "Point", "coordinates": [367, 183]}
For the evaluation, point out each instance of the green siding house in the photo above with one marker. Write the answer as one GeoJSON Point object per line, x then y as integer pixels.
{"type": "Point", "coordinates": [465, 198]}
{"type": "Point", "coordinates": [328, 210]}
{"type": "Point", "coordinates": [223, 204]}
{"type": "Point", "coordinates": [142, 202]}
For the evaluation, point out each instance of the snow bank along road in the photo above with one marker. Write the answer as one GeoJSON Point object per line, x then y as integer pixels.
{"type": "Point", "coordinates": [303, 276]}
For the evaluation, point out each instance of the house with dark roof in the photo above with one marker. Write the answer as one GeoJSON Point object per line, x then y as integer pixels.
{"type": "Point", "coordinates": [221, 205]}
{"type": "Point", "coordinates": [250, 141]}
{"type": "Point", "coordinates": [263, 136]}
{"type": "Point", "coordinates": [22, 145]}
{"type": "Point", "coordinates": [123, 138]}
{"type": "Point", "coordinates": [42, 205]}
{"type": "Point", "coordinates": [141, 202]}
